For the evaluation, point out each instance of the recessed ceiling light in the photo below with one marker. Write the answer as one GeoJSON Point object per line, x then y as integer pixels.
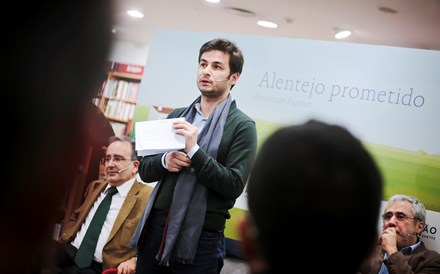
{"type": "Point", "coordinates": [213, 1]}
{"type": "Point", "coordinates": [267, 24]}
{"type": "Point", "coordinates": [341, 34]}
{"type": "Point", "coordinates": [135, 13]}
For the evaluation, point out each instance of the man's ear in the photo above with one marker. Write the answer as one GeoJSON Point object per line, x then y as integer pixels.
{"type": "Point", "coordinates": [420, 227]}
{"type": "Point", "coordinates": [249, 245]}
{"type": "Point", "coordinates": [234, 78]}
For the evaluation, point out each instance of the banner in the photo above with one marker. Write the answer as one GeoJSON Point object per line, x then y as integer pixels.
{"type": "Point", "coordinates": [387, 96]}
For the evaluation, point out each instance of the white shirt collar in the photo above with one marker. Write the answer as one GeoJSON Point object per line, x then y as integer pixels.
{"type": "Point", "coordinates": [124, 188]}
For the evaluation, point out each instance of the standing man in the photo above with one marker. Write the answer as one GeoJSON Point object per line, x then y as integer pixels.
{"type": "Point", "coordinates": [400, 249]}
{"type": "Point", "coordinates": [127, 204]}
{"type": "Point", "coordinates": [183, 223]}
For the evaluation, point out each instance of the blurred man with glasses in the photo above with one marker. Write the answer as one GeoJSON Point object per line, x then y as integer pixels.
{"type": "Point", "coordinates": [400, 249]}
{"type": "Point", "coordinates": [112, 251]}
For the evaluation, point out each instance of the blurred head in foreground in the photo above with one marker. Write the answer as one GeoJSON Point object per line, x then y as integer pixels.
{"type": "Point", "coordinates": [316, 191]}
{"type": "Point", "coordinates": [55, 57]}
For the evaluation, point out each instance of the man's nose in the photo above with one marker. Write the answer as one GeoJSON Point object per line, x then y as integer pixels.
{"type": "Point", "coordinates": [207, 70]}
{"type": "Point", "coordinates": [391, 223]}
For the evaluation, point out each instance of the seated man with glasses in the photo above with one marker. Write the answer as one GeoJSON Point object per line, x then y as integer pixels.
{"type": "Point", "coordinates": [400, 249]}
{"type": "Point", "coordinates": [90, 246]}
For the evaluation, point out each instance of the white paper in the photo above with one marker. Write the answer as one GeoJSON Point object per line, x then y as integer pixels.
{"type": "Point", "coordinates": [157, 136]}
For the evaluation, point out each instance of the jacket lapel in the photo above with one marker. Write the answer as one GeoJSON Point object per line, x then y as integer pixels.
{"type": "Point", "coordinates": [90, 201]}
{"type": "Point", "coordinates": [126, 208]}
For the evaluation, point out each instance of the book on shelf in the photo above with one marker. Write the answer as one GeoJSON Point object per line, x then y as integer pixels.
{"type": "Point", "coordinates": [118, 95]}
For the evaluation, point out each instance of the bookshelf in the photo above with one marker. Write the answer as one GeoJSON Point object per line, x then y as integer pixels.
{"type": "Point", "coordinates": [118, 94]}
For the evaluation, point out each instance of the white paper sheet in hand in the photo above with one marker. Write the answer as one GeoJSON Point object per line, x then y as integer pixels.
{"type": "Point", "coordinates": [157, 136]}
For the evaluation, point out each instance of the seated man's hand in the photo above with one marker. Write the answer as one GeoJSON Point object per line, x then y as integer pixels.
{"type": "Point", "coordinates": [127, 267]}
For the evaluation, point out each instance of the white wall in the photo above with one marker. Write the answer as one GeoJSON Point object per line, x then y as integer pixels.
{"type": "Point", "coordinates": [128, 53]}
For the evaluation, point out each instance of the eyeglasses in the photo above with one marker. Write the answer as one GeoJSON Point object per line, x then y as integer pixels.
{"type": "Point", "coordinates": [116, 159]}
{"type": "Point", "coordinates": [399, 216]}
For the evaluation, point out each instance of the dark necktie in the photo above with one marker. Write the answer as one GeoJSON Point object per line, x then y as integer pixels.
{"type": "Point", "coordinates": [406, 250]}
{"type": "Point", "coordinates": [86, 250]}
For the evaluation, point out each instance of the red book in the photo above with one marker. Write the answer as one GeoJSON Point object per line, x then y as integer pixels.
{"type": "Point", "coordinates": [131, 69]}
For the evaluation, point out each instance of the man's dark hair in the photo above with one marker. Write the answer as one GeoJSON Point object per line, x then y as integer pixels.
{"type": "Point", "coordinates": [236, 59]}
{"type": "Point", "coordinates": [125, 138]}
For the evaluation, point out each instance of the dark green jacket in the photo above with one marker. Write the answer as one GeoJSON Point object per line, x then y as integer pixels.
{"type": "Point", "coordinates": [224, 177]}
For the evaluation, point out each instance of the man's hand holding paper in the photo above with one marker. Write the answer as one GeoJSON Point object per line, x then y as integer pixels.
{"type": "Point", "coordinates": [188, 131]}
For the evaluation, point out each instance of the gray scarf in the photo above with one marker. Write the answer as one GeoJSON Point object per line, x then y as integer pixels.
{"type": "Point", "coordinates": [188, 208]}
